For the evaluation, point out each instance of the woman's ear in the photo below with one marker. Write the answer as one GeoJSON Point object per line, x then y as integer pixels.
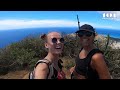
{"type": "Point", "coordinates": [46, 46]}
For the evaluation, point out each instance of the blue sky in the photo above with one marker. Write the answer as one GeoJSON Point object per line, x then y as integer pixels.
{"type": "Point", "coordinates": [34, 19]}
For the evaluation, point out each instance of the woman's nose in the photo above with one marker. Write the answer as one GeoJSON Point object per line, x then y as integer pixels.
{"type": "Point", "coordinates": [58, 41]}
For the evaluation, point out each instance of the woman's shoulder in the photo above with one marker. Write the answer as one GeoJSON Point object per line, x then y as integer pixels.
{"type": "Point", "coordinates": [41, 70]}
{"type": "Point", "coordinates": [98, 57]}
{"type": "Point", "coordinates": [42, 66]}
{"type": "Point", "coordinates": [43, 61]}
{"type": "Point", "coordinates": [96, 53]}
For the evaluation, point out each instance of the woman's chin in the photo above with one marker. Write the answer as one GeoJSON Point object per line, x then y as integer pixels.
{"type": "Point", "coordinates": [58, 52]}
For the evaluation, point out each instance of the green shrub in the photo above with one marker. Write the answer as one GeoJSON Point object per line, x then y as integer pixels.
{"type": "Point", "coordinates": [25, 53]}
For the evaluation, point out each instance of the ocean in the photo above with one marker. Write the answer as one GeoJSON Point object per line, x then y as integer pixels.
{"type": "Point", "coordinates": [10, 36]}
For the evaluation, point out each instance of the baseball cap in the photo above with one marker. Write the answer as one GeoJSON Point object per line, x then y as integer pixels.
{"type": "Point", "coordinates": [86, 27]}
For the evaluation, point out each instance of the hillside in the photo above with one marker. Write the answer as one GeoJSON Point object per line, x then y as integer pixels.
{"type": "Point", "coordinates": [17, 59]}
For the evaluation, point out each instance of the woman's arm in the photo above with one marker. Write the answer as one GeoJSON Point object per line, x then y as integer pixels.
{"type": "Point", "coordinates": [41, 71]}
{"type": "Point", "coordinates": [99, 64]}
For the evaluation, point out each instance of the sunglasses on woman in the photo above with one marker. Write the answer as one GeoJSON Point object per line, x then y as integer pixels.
{"type": "Point", "coordinates": [86, 33]}
{"type": "Point", "coordinates": [54, 40]}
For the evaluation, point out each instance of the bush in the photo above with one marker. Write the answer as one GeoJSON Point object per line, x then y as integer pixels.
{"type": "Point", "coordinates": [24, 54]}
{"type": "Point", "coordinates": [68, 62]}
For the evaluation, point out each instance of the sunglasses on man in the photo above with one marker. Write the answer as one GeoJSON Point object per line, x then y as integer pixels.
{"type": "Point", "coordinates": [54, 40]}
{"type": "Point", "coordinates": [86, 33]}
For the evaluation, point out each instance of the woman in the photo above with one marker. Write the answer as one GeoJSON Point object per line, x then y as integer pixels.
{"type": "Point", "coordinates": [50, 67]}
{"type": "Point", "coordinates": [90, 63]}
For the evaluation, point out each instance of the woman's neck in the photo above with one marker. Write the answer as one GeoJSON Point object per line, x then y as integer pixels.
{"type": "Point", "coordinates": [52, 58]}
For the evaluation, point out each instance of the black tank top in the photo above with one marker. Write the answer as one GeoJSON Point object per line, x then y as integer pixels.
{"type": "Point", "coordinates": [83, 65]}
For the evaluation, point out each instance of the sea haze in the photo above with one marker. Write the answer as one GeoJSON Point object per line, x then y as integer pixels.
{"type": "Point", "coordinates": [10, 36]}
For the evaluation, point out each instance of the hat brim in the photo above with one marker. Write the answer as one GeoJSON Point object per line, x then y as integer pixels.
{"type": "Point", "coordinates": [84, 30]}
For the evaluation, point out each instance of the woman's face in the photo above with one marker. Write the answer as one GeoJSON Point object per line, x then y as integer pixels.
{"type": "Point", "coordinates": [54, 43]}
{"type": "Point", "coordinates": [86, 38]}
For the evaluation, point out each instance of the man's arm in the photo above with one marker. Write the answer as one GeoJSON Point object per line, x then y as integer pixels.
{"type": "Point", "coordinates": [99, 64]}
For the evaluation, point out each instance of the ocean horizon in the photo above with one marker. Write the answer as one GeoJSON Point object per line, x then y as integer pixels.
{"type": "Point", "coordinates": [11, 36]}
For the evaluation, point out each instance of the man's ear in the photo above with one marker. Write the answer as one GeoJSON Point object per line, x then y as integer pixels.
{"type": "Point", "coordinates": [96, 34]}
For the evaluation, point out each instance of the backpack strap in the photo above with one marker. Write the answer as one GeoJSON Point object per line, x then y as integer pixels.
{"type": "Point", "coordinates": [51, 71]}
{"type": "Point", "coordinates": [43, 61]}
{"type": "Point", "coordinates": [59, 64]}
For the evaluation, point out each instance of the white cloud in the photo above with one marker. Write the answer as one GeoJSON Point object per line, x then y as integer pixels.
{"type": "Point", "coordinates": [97, 25]}
{"type": "Point", "coordinates": [19, 24]}
{"type": "Point", "coordinates": [117, 13]}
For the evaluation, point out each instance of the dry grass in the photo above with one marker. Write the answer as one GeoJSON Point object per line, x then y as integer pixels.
{"type": "Point", "coordinates": [14, 75]}
{"type": "Point", "coordinates": [67, 72]}
{"type": "Point", "coordinates": [23, 74]}
{"type": "Point", "coordinates": [67, 64]}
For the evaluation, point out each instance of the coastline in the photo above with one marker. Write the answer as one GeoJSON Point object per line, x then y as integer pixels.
{"type": "Point", "coordinates": [116, 45]}
{"type": "Point", "coordinates": [114, 42]}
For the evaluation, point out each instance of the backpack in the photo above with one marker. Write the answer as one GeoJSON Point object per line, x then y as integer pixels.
{"type": "Point", "coordinates": [51, 74]}
{"type": "Point", "coordinates": [32, 73]}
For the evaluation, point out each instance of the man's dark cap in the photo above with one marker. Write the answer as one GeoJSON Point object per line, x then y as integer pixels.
{"type": "Point", "coordinates": [86, 27]}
